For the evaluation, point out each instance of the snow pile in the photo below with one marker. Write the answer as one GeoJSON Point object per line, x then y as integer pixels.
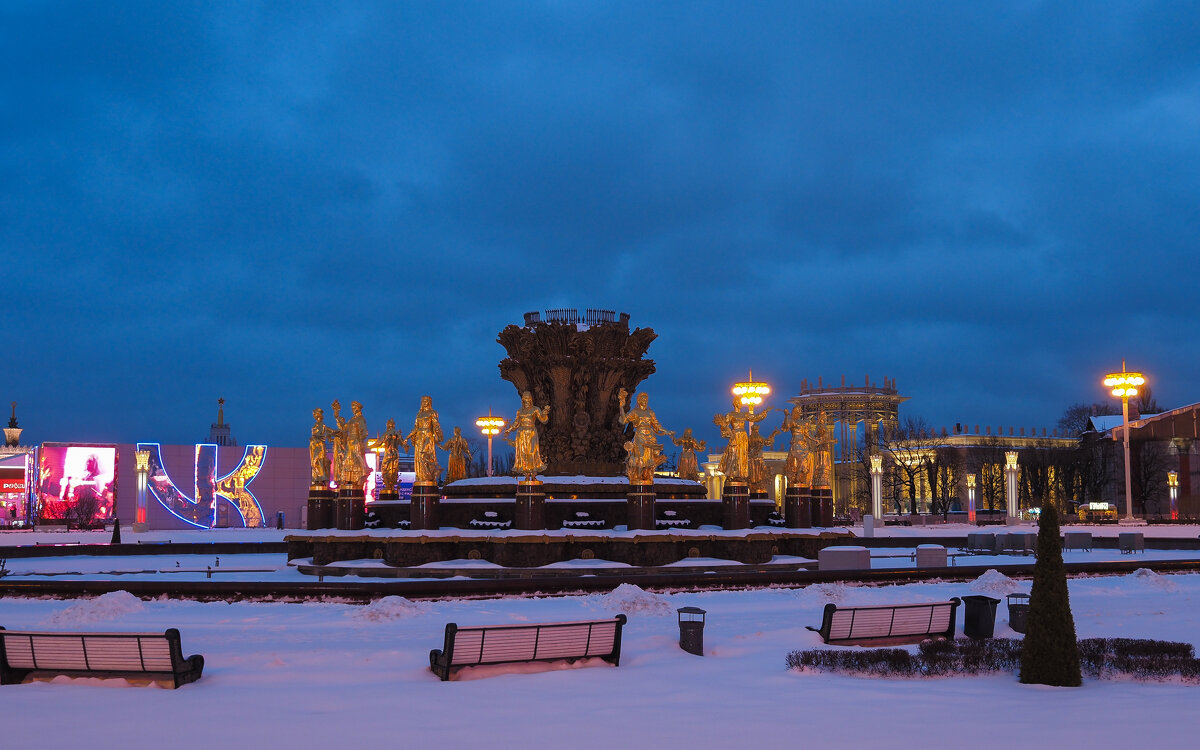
{"type": "Point", "coordinates": [110, 606]}
{"type": "Point", "coordinates": [821, 594]}
{"type": "Point", "coordinates": [995, 582]}
{"type": "Point", "coordinates": [388, 608]}
{"type": "Point", "coordinates": [1150, 578]}
{"type": "Point", "coordinates": [633, 600]}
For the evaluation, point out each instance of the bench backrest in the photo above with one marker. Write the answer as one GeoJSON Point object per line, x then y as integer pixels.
{"type": "Point", "coordinates": [85, 652]}
{"type": "Point", "coordinates": [547, 641]}
{"type": "Point", "coordinates": [895, 621]}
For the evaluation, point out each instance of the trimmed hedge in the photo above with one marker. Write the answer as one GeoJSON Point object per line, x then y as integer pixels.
{"type": "Point", "coordinates": [1099, 658]}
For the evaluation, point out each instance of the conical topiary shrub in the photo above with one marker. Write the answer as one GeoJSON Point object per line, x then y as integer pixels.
{"type": "Point", "coordinates": [1050, 654]}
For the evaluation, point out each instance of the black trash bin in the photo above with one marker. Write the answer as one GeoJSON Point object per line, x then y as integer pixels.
{"type": "Point", "coordinates": [1018, 611]}
{"type": "Point", "coordinates": [979, 618]}
{"type": "Point", "coordinates": [691, 630]}
{"type": "Point", "coordinates": [279, 520]}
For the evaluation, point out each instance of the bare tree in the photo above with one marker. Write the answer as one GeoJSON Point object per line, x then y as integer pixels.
{"type": "Point", "coordinates": [502, 458]}
{"type": "Point", "coordinates": [83, 512]}
{"type": "Point", "coordinates": [944, 468]}
{"type": "Point", "coordinates": [1067, 484]}
{"type": "Point", "coordinates": [891, 481]}
{"type": "Point", "coordinates": [1038, 470]}
{"type": "Point", "coordinates": [910, 445]}
{"type": "Point", "coordinates": [1150, 477]}
{"type": "Point", "coordinates": [1146, 403]}
{"type": "Point", "coordinates": [986, 460]}
{"type": "Point", "coordinates": [1096, 460]}
{"type": "Point", "coordinates": [1074, 421]}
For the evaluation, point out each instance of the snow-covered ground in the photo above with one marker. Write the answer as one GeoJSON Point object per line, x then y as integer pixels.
{"type": "Point", "coordinates": [340, 675]}
{"type": "Point", "coordinates": [275, 567]}
{"type": "Point", "coordinates": [42, 536]}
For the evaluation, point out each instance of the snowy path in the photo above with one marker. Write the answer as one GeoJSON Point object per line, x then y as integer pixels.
{"type": "Point", "coordinates": [332, 675]}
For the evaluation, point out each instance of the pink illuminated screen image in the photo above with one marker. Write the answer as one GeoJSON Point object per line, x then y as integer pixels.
{"type": "Point", "coordinates": [77, 482]}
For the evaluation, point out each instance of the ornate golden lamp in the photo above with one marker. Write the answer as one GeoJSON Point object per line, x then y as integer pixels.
{"type": "Point", "coordinates": [751, 392]}
{"type": "Point", "coordinates": [1125, 385]}
{"type": "Point", "coordinates": [490, 426]}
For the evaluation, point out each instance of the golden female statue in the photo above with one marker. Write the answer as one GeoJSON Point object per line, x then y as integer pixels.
{"type": "Point", "coordinates": [338, 436]}
{"type": "Point", "coordinates": [460, 456]}
{"type": "Point", "coordinates": [798, 468]}
{"type": "Point", "coordinates": [424, 438]}
{"type": "Point", "coordinates": [735, 460]}
{"type": "Point", "coordinates": [528, 460]}
{"type": "Point", "coordinates": [644, 452]}
{"type": "Point", "coordinates": [355, 433]}
{"type": "Point", "coordinates": [390, 466]}
{"type": "Point", "coordinates": [758, 467]}
{"type": "Point", "coordinates": [820, 445]}
{"type": "Point", "coordinates": [317, 457]}
{"type": "Point", "coordinates": [688, 445]}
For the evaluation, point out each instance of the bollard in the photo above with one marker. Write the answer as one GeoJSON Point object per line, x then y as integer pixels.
{"type": "Point", "coordinates": [691, 630]}
{"type": "Point", "coordinates": [116, 535]}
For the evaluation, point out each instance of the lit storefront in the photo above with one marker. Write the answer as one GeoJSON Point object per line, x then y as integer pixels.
{"type": "Point", "coordinates": [15, 468]}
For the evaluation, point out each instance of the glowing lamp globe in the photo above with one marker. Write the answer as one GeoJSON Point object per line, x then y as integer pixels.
{"type": "Point", "coordinates": [751, 393]}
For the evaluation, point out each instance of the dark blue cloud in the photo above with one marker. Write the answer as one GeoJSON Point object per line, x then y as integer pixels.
{"type": "Point", "coordinates": [286, 204]}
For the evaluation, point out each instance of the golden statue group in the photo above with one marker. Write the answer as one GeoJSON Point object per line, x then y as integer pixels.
{"type": "Point", "coordinates": [350, 446]}
{"type": "Point", "coordinates": [643, 452]}
{"type": "Point", "coordinates": [808, 463]}
{"type": "Point", "coordinates": [810, 451]}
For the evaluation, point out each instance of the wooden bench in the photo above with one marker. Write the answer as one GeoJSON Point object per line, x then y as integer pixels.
{"type": "Point", "coordinates": [156, 656]}
{"type": "Point", "coordinates": [889, 624]}
{"type": "Point", "coordinates": [502, 644]}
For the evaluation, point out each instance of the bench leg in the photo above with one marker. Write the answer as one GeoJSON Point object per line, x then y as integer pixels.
{"type": "Point", "coordinates": [9, 676]}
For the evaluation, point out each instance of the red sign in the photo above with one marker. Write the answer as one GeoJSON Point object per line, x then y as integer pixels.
{"type": "Point", "coordinates": [12, 481]}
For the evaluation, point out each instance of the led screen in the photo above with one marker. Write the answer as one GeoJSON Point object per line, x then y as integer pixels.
{"type": "Point", "coordinates": [220, 500]}
{"type": "Point", "coordinates": [77, 482]}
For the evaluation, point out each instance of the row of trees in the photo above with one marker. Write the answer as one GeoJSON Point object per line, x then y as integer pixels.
{"type": "Point", "coordinates": [919, 465]}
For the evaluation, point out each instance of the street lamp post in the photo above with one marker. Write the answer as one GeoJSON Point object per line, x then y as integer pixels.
{"type": "Point", "coordinates": [877, 487]}
{"type": "Point", "coordinates": [490, 426]}
{"type": "Point", "coordinates": [142, 465]}
{"type": "Point", "coordinates": [735, 496]}
{"type": "Point", "coordinates": [1125, 385]}
{"type": "Point", "coordinates": [970, 498]}
{"type": "Point", "coordinates": [1010, 486]}
{"type": "Point", "coordinates": [1173, 488]}
{"type": "Point", "coordinates": [750, 393]}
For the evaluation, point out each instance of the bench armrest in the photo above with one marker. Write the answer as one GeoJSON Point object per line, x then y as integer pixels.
{"type": "Point", "coordinates": [439, 664]}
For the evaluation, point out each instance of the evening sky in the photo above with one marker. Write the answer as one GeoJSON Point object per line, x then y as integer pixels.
{"type": "Point", "coordinates": [286, 203]}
